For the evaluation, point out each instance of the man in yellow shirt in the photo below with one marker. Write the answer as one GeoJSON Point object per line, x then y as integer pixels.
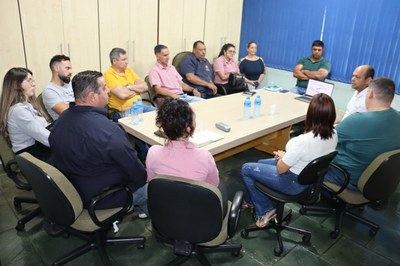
{"type": "Point", "coordinates": [124, 84]}
{"type": "Point", "coordinates": [125, 88]}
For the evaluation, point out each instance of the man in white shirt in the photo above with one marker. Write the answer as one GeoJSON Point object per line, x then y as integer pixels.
{"type": "Point", "coordinates": [360, 80]}
{"type": "Point", "coordinates": [58, 92]}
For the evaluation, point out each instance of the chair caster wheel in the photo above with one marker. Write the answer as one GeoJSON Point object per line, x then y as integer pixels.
{"type": "Point", "coordinates": [306, 239]}
{"type": "Point", "coordinates": [302, 211]}
{"type": "Point", "coordinates": [278, 251]}
{"type": "Point", "coordinates": [244, 234]}
{"type": "Point", "coordinates": [20, 227]}
{"type": "Point", "coordinates": [236, 253]}
{"type": "Point", "coordinates": [140, 246]}
{"type": "Point", "coordinates": [17, 206]}
{"type": "Point", "coordinates": [334, 234]}
{"type": "Point", "coordinates": [372, 232]}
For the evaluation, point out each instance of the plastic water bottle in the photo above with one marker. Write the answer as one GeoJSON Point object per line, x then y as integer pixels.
{"type": "Point", "coordinates": [257, 106]}
{"type": "Point", "coordinates": [135, 114]}
{"type": "Point", "coordinates": [140, 108]}
{"type": "Point", "coordinates": [247, 108]}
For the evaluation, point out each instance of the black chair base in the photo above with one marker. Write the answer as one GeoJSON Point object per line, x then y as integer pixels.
{"type": "Point", "coordinates": [184, 251]}
{"type": "Point", "coordinates": [21, 222]}
{"type": "Point", "coordinates": [96, 240]}
{"type": "Point", "coordinates": [199, 251]}
{"type": "Point", "coordinates": [278, 225]}
{"type": "Point", "coordinates": [340, 210]}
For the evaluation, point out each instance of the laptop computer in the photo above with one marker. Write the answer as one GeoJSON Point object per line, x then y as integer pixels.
{"type": "Point", "coordinates": [315, 87]}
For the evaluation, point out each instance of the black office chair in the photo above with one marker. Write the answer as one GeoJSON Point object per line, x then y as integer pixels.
{"type": "Point", "coordinates": [193, 217]}
{"type": "Point", "coordinates": [24, 193]}
{"type": "Point", "coordinates": [378, 181]}
{"type": "Point", "coordinates": [178, 59]}
{"type": "Point", "coordinates": [312, 175]}
{"type": "Point", "coordinates": [64, 214]}
{"type": "Point", "coordinates": [39, 99]}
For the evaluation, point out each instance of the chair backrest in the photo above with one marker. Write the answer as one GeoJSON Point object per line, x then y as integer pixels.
{"type": "Point", "coordinates": [178, 59]}
{"type": "Point", "coordinates": [39, 99]}
{"type": "Point", "coordinates": [6, 153]}
{"type": "Point", "coordinates": [57, 198]}
{"type": "Point", "coordinates": [151, 91]}
{"type": "Point", "coordinates": [381, 177]}
{"type": "Point", "coordinates": [314, 173]}
{"type": "Point", "coordinates": [10, 166]}
{"type": "Point", "coordinates": [183, 209]}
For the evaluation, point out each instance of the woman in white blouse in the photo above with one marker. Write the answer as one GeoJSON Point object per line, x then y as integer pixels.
{"type": "Point", "coordinates": [22, 120]}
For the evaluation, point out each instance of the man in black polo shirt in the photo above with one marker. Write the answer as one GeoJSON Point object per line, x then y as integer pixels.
{"type": "Point", "coordinates": [197, 71]}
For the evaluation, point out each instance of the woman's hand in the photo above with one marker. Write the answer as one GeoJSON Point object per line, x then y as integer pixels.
{"type": "Point", "coordinates": [279, 154]}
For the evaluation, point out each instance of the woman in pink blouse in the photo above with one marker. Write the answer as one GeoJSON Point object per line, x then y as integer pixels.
{"type": "Point", "coordinates": [225, 65]}
{"type": "Point", "coordinates": [179, 157]}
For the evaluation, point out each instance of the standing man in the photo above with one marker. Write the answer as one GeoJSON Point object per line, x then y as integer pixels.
{"type": "Point", "coordinates": [311, 67]}
{"type": "Point", "coordinates": [362, 76]}
{"type": "Point", "coordinates": [124, 84]}
{"type": "Point", "coordinates": [197, 71]}
{"type": "Point", "coordinates": [94, 152]}
{"type": "Point", "coordinates": [364, 136]}
{"type": "Point", "coordinates": [167, 82]}
{"type": "Point", "coordinates": [58, 94]}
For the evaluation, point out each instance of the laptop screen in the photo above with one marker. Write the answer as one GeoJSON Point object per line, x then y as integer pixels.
{"type": "Point", "coordinates": [316, 86]}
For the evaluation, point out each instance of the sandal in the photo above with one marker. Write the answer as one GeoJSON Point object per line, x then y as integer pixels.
{"type": "Point", "coordinates": [246, 205]}
{"type": "Point", "coordinates": [264, 220]}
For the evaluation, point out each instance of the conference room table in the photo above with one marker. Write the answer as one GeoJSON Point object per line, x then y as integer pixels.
{"type": "Point", "coordinates": [268, 132]}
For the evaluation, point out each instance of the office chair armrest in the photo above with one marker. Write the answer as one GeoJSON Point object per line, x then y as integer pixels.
{"type": "Point", "coordinates": [346, 181]}
{"type": "Point", "coordinates": [221, 90]}
{"type": "Point", "coordinates": [234, 213]}
{"type": "Point", "coordinates": [104, 194]}
{"type": "Point", "coordinates": [20, 183]}
{"type": "Point", "coordinates": [149, 101]}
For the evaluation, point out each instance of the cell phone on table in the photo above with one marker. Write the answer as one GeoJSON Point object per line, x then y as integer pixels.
{"type": "Point", "coordinates": [251, 93]}
{"type": "Point", "coordinates": [284, 91]}
{"type": "Point", "coordinates": [160, 134]}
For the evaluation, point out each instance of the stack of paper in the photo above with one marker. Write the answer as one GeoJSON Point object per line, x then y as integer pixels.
{"type": "Point", "coordinates": [204, 137]}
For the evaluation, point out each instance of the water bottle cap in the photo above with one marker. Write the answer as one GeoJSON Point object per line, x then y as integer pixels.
{"type": "Point", "coordinates": [247, 97]}
{"type": "Point", "coordinates": [139, 99]}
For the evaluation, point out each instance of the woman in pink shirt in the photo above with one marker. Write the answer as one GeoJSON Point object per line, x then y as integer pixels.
{"type": "Point", "coordinates": [179, 157]}
{"type": "Point", "coordinates": [225, 65]}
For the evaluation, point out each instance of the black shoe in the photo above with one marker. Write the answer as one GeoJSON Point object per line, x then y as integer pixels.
{"type": "Point", "coordinates": [379, 204]}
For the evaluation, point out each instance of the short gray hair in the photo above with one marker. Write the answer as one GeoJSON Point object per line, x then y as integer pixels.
{"type": "Point", "coordinates": [116, 53]}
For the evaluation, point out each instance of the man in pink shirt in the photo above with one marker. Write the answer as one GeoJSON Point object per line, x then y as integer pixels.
{"type": "Point", "coordinates": [167, 82]}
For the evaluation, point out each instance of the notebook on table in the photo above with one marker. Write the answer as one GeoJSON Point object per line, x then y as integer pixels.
{"type": "Point", "coordinates": [315, 87]}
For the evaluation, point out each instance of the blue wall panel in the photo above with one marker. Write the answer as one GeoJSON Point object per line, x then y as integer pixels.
{"type": "Point", "coordinates": [355, 32]}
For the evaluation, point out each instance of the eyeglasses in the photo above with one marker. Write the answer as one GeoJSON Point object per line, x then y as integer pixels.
{"type": "Point", "coordinates": [30, 80]}
{"type": "Point", "coordinates": [232, 51]}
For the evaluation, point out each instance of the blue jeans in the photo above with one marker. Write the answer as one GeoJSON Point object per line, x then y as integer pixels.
{"type": "Point", "coordinates": [336, 177]}
{"type": "Point", "coordinates": [140, 199]}
{"type": "Point", "coordinates": [265, 172]}
{"type": "Point", "coordinates": [140, 146]}
{"type": "Point", "coordinates": [189, 99]}
{"type": "Point", "coordinates": [298, 90]}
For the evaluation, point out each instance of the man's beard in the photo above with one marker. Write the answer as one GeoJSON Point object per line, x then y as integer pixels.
{"type": "Point", "coordinates": [64, 79]}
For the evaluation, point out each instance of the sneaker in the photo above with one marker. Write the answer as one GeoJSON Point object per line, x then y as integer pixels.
{"type": "Point", "coordinates": [142, 215]}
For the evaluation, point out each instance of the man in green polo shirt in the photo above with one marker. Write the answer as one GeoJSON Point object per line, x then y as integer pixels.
{"type": "Point", "coordinates": [311, 67]}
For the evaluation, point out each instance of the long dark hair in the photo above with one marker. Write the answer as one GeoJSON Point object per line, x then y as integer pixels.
{"type": "Point", "coordinates": [225, 48]}
{"type": "Point", "coordinates": [321, 115]}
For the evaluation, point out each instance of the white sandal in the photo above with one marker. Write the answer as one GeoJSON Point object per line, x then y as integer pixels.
{"type": "Point", "coordinates": [264, 220]}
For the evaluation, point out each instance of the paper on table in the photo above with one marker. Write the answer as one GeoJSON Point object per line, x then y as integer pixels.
{"type": "Point", "coordinates": [205, 137]}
